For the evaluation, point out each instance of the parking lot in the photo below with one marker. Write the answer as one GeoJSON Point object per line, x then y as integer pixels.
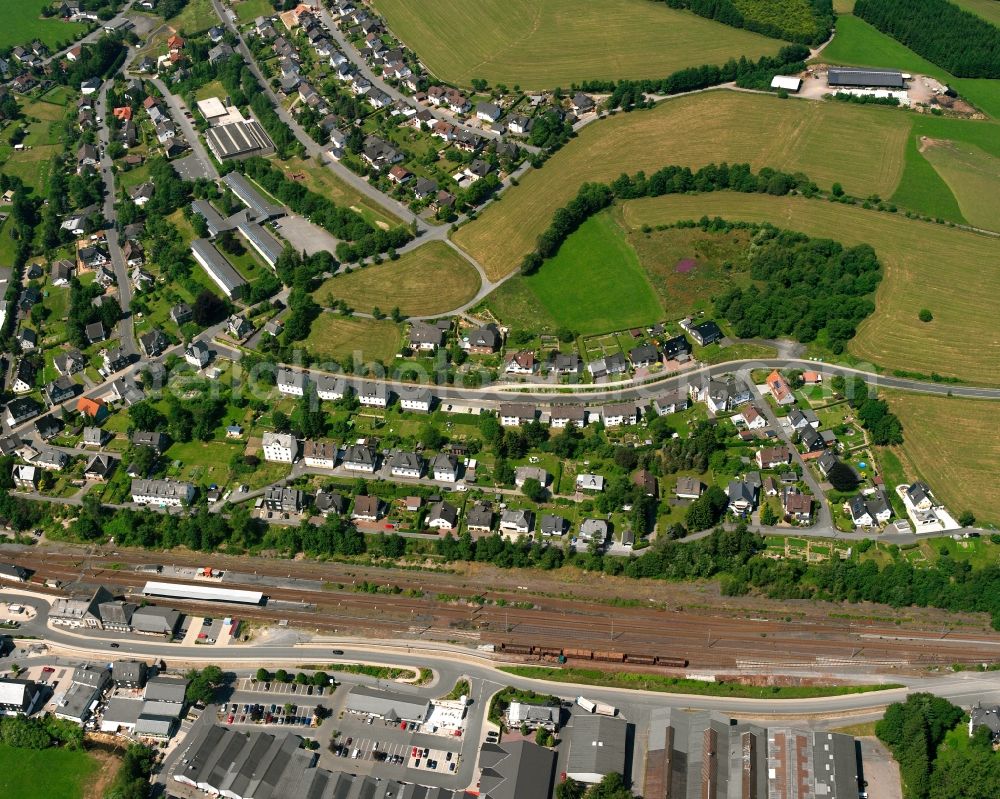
{"type": "Point", "coordinates": [280, 688]}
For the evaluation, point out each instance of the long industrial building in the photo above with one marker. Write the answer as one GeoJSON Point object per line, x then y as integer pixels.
{"type": "Point", "coordinates": [204, 593]}
{"type": "Point", "coordinates": [865, 78]}
{"type": "Point", "coordinates": [706, 755]}
{"type": "Point", "coordinates": [250, 197]}
{"type": "Point", "coordinates": [218, 268]}
{"type": "Point", "coordinates": [261, 240]}
{"type": "Point", "coordinates": [258, 765]}
{"type": "Point", "coordinates": [390, 705]}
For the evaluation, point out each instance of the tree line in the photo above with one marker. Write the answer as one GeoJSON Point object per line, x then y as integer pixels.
{"type": "Point", "coordinates": [916, 731]}
{"type": "Point", "coordinates": [594, 197]}
{"type": "Point", "coordinates": [359, 238]}
{"type": "Point", "coordinates": [959, 41]}
{"type": "Point", "coordinates": [629, 94]}
{"type": "Point", "coordinates": [793, 24]}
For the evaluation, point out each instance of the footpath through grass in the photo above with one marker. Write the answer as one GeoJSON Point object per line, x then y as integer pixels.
{"type": "Point", "coordinates": [44, 773]}
{"type": "Point", "coordinates": [679, 685]}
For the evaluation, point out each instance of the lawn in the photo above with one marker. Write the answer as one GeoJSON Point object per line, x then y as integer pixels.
{"type": "Point", "coordinates": [926, 266]}
{"type": "Point", "coordinates": [247, 10]}
{"type": "Point", "coordinates": [429, 280]}
{"type": "Point", "coordinates": [44, 773]}
{"type": "Point", "coordinates": [972, 175]}
{"type": "Point", "coordinates": [8, 246]}
{"type": "Point", "coordinates": [952, 444]}
{"type": "Point", "coordinates": [860, 147]}
{"type": "Point", "coordinates": [541, 44]}
{"type": "Point", "coordinates": [203, 462]}
{"type": "Point", "coordinates": [22, 22]}
{"type": "Point", "coordinates": [323, 180]}
{"type": "Point", "coordinates": [198, 15]}
{"type": "Point", "coordinates": [923, 188]}
{"type": "Point", "coordinates": [594, 283]}
{"type": "Point", "coordinates": [338, 337]}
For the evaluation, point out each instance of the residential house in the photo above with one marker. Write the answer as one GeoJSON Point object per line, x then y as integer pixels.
{"type": "Point", "coordinates": [292, 382]}
{"type": "Point", "coordinates": [773, 457]}
{"type": "Point", "coordinates": [721, 396]}
{"type": "Point", "coordinates": [100, 467]}
{"type": "Point", "coordinates": [158, 442]}
{"type": "Point", "coordinates": [181, 314]}
{"type": "Point", "coordinates": [623, 413]}
{"type": "Point", "coordinates": [61, 389]}
{"type": "Point", "coordinates": [113, 360]}
{"type": "Point", "coordinates": [521, 362]}
{"type": "Point", "coordinates": [94, 332]}
{"type": "Point", "coordinates": [367, 509]}
{"type": "Point", "coordinates": [589, 482]}
{"type": "Point", "coordinates": [751, 418]}
{"type": "Point", "coordinates": [797, 506]}
{"type": "Point", "coordinates": [919, 495]}
{"type": "Point", "coordinates": [359, 458]}
{"type": "Point", "coordinates": [564, 363]}
{"type": "Point", "coordinates": [328, 502]}
{"type": "Point", "coordinates": [331, 388]}
{"type": "Point", "coordinates": [677, 348]}
{"type": "Point", "coordinates": [643, 355]}
{"type": "Point", "coordinates": [442, 516]}
{"type": "Point", "coordinates": [280, 499]}
{"type": "Point", "coordinates": [61, 272]}
{"type": "Point", "coordinates": [198, 354]}
{"type": "Point", "coordinates": [406, 464]}
{"type": "Point", "coordinates": [69, 362]}
{"type": "Point", "coordinates": [483, 340]}
{"type": "Point", "coordinates": [826, 462]}
{"type": "Point", "coordinates": [23, 377]}
{"type": "Point", "coordinates": [517, 522]}
{"type": "Point", "coordinates": [688, 488]}
{"type": "Point", "coordinates": [513, 414]}
{"type": "Point", "coordinates": [445, 468]}
{"type": "Point", "coordinates": [424, 188]}
{"type": "Point", "coordinates": [706, 333]}
{"type": "Point", "coordinates": [27, 338]}
{"type": "Point", "coordinates": [239, 327]}
{"type": "Point", "coordinates": [93, 437]}
{"type": "Point", "coordinates": [320, 454]}
{"type": "Point", "coordinates": [488, 112]}
{"type": "Point", "coordinates": [373, 395]}
{"type": "Point", "coordinates": [162, 493]}
{"type": "Point", "coordinates": [800, 419]}
{"type": "Point", "coordinates": [279, 447]}
{"type": "Point", "coordinates": [550, 525]}
{"type": "Point", "coordinates": [523, 473]}
{"type": "Point", "coordinates": [48, 427]}
{"type": "Point", "coordinates": [670, 402]}
{"type": "Point", "coordinates": [25, 476]}
{"type": "Point", "coordinates": [425, 337]}
{"type": "Point", "coordinates": [646, 482]}
{"type": "Point", "coordinates": [742, 497]}
{"type": "Point", "coordinates": [593, 530]}
{"type": "Point", "coordinates": [565, 415]}
{"type": "Point", "coordinates": [22, 409]}
{"type": "Point", "coordinates": [479, 518]}
{"type": "Point", "coordinates": [581, 103]}
{"type": "Point", "coordinates": [780, 389]}
{"type": "Point", "coordinates": [142, 194]}
{"type": "Point", "coordinates": [811, 440]}
{"type": "Point", "coordinates": [153, 343]}
{"type": "Point", "coordinates": [614, 364]}
{"type": "Point", "coordinates": [520, 124]}
{"type": "Point", "coordinates": [415, 399]}
{"type": "Point", "coordinates": [133, 253]}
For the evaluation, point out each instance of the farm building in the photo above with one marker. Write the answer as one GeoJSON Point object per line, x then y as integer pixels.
{"type": "Point", "coordinates": [786, 82]}
{"type": "Point", "coordinates": [865, 78]}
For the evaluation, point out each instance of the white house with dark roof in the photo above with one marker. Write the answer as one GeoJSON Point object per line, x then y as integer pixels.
{"type": "Point", "coordinates": [279, 447]}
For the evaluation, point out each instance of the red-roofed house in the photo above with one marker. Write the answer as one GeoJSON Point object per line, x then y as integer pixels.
{"type": "Point", "coordinates": [94, 408]}
{"type": "Point", "coordinates": [123, 113]}
{"type": "Point", "coordinates": [780, 390]}
{"type": "Point", "coordinates": [175, 42]}
{"type": "Point", "coordinates": [812, 378]}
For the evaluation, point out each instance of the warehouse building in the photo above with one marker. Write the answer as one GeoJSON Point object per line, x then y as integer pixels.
{"type": "Point", "coordinates": [218, 268]}
{"type": "Point", "coordinates": [238, 140]}
{"type": "Point", "coordinates": [389, 705]}
{"type": "Point", "coordinates": [257, 765]}
{"type": "Point", "coordinates": [707, 755]}
{"type": "Point", "coordinates": [83, 694]}
{"type": "Point", "coordinates": [598, 745]}
{"type": "Point", "coordinates": [206, 593]}
{"type": "Point", "coordinates": [865, 78]}
{"type": "Point", "coordinates": [153, 620]}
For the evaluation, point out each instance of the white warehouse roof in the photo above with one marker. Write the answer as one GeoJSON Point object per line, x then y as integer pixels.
{"type": "Point", "coordinates": [205, 592]}
{"type": "Point", "coordinates": [786, 82]}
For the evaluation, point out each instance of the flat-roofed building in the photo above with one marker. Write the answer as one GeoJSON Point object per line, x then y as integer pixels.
{"type": "Point", "coordinates": [257, 236]}
{"type": "Point", "coordinates": [250, 197]}
{"type": "Point", "coordinates": [18, 696]}
{"type": "Point", "coordinates": [390, 705]}
{"type": "Point", "coordinates": [597, 746]}
{"type": "Point", "coordinates": [218, 268]}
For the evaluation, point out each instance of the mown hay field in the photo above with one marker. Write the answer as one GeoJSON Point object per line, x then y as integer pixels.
{"type": "Point", "coordinates": [862, 148]}
{"type": "Point", "coordinates": [951, 272]}
{"type": "Point", "coordinates": [952, 444]}
{"type": "Point", "coordinates": [338, 337]}
{"type": "Point", "coordinates": [541, 44]}
{"type": "Point", "coordinates": [973, 177]}
{"type": "Point", "coordinates": [429, 280]}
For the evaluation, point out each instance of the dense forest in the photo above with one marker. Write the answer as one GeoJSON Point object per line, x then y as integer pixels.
{"type": "Point", "coordinates": [629, 94]}
{"type": "Point", "coordinates": [917, 733]}
{"type": "Point", "coordinates": [805, 288]}
{"type": "Point", "coordinates": [804, 21]}
{"type": "Point", "coordinates": [957, 40]}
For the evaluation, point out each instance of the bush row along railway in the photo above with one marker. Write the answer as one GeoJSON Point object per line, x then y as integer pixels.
{"type": "Point", "coordinates": [713, 641]}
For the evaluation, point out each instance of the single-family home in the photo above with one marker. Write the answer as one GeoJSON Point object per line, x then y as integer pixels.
{"type": "Point", "coordinates": [773, 457]}
{"type": "Point", "coordinates": [445, 468]}
{"type": "Point", "coordinates": [514, 414]}
{"type": "Point", "coordinates": [521, 362]}
{"type": "Point", "coordinates": [589, 482]}
{"type": "Point", "coordinates": [373, 395]}
{"type": "Point", "coordinates": [516, 522]}
{"type": "Point", "coordinates": [367, 509]}
{"type": "Point", "coordinates": [797, 506]}
{"type": "Point", "coordinates": [706, 333]}
{"type": "Point", "coordinates": [566, 415]}
{"type": "Point", "coordinates": [359, 458]}
{"type": "Point", "coordinates": [779, 388]}
{"type": "Point", "coordinates": [524, 473]}
{"type": "Point", "coordinates": [442, 516]}
{"type": "Point", "coordinates": [618, 414]}
{"type": "Point", "coordinates": [479, 518]}
{"type": "Point", "coordinates": [292, 382]}
{"type": "Point", "coordinates": [742, 497]}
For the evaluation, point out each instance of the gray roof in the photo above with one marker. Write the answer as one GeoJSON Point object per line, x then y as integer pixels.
{"type": "Point", "coordinates": [122, 710]}
{"type": "Point", "coordinates": [266, 244]}
{"type": "Point", "coordinates": [217, 266]}
{"type": "Point", "coordinates": [154, 619]}
{"type": "Point", "coordinates": [237, 138]}
{"type": "Point", "coordinates": [597, 745]}
{"type": "Point", "coordinates": [128, 671]}
{"type": "Point", "coordinates": [249, 195]}
{"type": "Point", "coordinates": [516, 770]}
{"type": "Point", "coordinates": [405, 460]}
{"type": "Point", "coordinates": [443, 511]}
{"type": "Point", "coordinates": [839, 76]}
{"type": "Point", "coordinates": [359, 453]}
{"type": "Point", "coordinates": [216, 224]}
{"type": "Point", "coordinates": [387, 704]}
{"type": "Point", "coordinates": [166, 689]}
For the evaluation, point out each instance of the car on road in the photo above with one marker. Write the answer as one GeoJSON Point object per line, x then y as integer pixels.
{"type": "Point", "coordinates": [115, 645]}
{"type": "Point", "coordinates": [48, 670]}
{"type": "Point", "coordinates": [336, 651]}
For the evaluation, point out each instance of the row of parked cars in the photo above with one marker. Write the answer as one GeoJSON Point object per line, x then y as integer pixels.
{"type": "Point", "coordinates": [273, 714]}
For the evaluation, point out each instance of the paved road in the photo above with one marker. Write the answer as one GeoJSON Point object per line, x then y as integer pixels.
{"type": "Point", "coordinates": [126, 329]}
{"type": "Point", "coordinates": [177, 109]}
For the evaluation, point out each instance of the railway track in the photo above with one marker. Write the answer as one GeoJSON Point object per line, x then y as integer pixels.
{"type": "Point", "coordinates": [705, 640]}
